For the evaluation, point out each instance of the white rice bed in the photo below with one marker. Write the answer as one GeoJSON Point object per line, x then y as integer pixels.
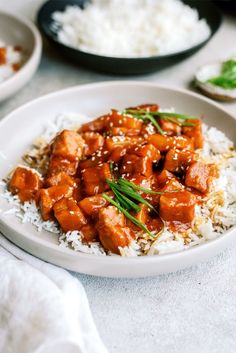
{"type": "Point", "coordinates": [213, 218]}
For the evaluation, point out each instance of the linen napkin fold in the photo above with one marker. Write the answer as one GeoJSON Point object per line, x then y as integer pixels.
{"type": "Point", "coordinates": [43, 309]}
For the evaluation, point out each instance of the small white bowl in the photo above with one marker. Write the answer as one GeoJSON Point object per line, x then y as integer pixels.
{"type": "Point", "coordinates": [15, 30]}
{"type": "Point", "coordinates": [205, 73]}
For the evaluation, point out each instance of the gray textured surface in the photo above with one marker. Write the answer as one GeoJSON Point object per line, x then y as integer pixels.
{"type": "Point", "coordinates": [189, 311]}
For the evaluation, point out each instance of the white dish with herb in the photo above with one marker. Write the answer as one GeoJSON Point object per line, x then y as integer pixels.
{"type": "Point", "coordinates": [218, 80]}
{"type": "Point", "coordinates": [119, 95]}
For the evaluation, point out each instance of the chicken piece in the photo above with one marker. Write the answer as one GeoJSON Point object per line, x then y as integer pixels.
{"type": "Point", "coordinates": [89, 233]}
{"type": "Point", "coordinates": [25, 183]}
{"type": "Point", "coordinates": [94, 179]}
{"type": "Point", "coordinates": [61, 178]}
{"type": "Point", "coordinates": [147, 150]}
{"type": "Point", "coordinates": [147, 107]}
{"type": "Point", "coordinates": [116, 154]}
{"type": "Point", "coordinates": [169, 127]}
{"type": "Point", "coordinates": [93, 142]}
{"type": "Point", "coordinates": [46, 198]}
{"type": "Point", "coordinates": [134, 165]}
{"type": "Point", "coordinates": [139, 160]}
{"type": "Point", "coordinates": [139, 180]}
{"type": "Point", "coordinates": [100, 157]}
{"type": "Point", "coordinates": [112, 230]}
{"type": "Point", "coordinates": [177, 206]}
{"type": "Point", "coordinates": [91, 205]}
{"type": "Point", "coordinates": [164, 182]}
{"type": "Point", "coordinates": [123, 131]}
{"type": "Point", "coordinates": [69, 145]}
{"type": "Point", "coordinates": [122, 141]}
{"type": "Point", "coordinates": [78, 193]}
{"type": "Point", "coordinates": [3, 55]}
{"type": "Point", "coordinates": [69, 215]}
{"type": "Point", "coordinates": [59, 164]}
{"type": "Point", "coordinates": [164, 143]}
{"type": "Point", "coordinates": [194, 132]}
{"type": "Point", "coordinates": [172, 185]}
{"type": "Point", "coordinates": [163, 177]}
{"type": "Point", "coordinates": [178, 160]}
{"type": "Point", "coordinates": [155, 225]}
{"type": "Point", "coordinates": [125, 121]}
{"type": "Point", "coordinates": [199, 176]}
{"type": "Point", "coordinates": [97, 125]}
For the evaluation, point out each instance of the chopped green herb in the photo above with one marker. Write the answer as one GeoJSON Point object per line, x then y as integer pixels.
{"type": "Point", "coordinates": [227, 77]}
{"type": "Point", "coordinates": [128, 215]}
{"type": "Point", "coordinates": [153, 116]}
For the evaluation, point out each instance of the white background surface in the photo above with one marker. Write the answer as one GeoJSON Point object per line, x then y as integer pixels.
{"type": "Point", "coordinates": [189, 311]}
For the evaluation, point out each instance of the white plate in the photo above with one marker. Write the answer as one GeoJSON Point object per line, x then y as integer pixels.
{"type": "Point", "coordinates": [22, 126]}
{"type": "Point", "coordinates": [15, 30]}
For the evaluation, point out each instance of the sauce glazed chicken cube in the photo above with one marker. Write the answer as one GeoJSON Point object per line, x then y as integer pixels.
{"type": "Point", "coordinates": [199, 176]}
{"type": "Point", "coordinates": [177, 206]}
{"type": "Point", "coordinates": [124, 121]}
{"type": "Point", "coordinates": [46, 199]}
{"type": "Point", "coordinates": [194, 132]}
{"type": "Point", "coordinates": [69, 215]}
{"type": "Point", "coordinates": [25, 183]}
{"type": "Point", "coordinates": [60, 178]}
{"type": "Point", "coordinates": [89, 232]}
{"type": "Point", "coordinates": [170, 128]}
{"type": "Point", "coordinates": [59, 164]}
{"type": "Point", "coordinates": [177, 161]}
{"type": "Point", "coordinates": [97, 125]}
{"type": "Point", "coordinates": [139, 160]}
{"type": "Point", "coordinates": [93, 142]}
{"type": "Point", "coordinates": [94, 179]}
{"type": "Point", "coordinates": [112, 230]}
{"type": "Point", "coordinates": [69, 145]}
{"type": "Point", "coordinates": [91, 205]}
{"type": "Point", "coordinates": [164, 143]}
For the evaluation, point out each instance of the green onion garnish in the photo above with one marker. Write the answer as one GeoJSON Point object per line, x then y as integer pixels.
{"type": "Point", "coordinates": [136, 187]}
{"type": "Point", "coordinates": [144, 115]}
{"type": "Point", "coordinates": [128, 215]}
{"type": "Point", "coordinates": [227, 77]}
{"type": "Point", "coordinates": [126, 198]}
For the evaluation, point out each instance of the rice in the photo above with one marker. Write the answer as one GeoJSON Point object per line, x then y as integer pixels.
{"type": "Point", "coordinates": [137, 28]}
{"type": "Point", "coordinates": [216, 215]}
{"type": "Point", "coordinates": [11, 58]}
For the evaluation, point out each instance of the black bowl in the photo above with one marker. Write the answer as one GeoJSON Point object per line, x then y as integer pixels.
{"type": "Point", "coordinates": [127, 66]}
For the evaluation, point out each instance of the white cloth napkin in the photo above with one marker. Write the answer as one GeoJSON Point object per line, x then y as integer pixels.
{"type": "Point", "coordinates": [43, 309]}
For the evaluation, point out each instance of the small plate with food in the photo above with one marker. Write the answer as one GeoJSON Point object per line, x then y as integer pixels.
{"type": "Point", "coordinates": [20, 53]}
{"type": "Point", "coordinates": [218, 80]}
{"type": "Point", "coordinates": [119, 178]}
{"type": "Point", "coordinates": [135, 38]}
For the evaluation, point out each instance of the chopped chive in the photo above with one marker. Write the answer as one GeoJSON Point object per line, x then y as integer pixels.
{"type": "Point", "coordinates": [136, 187]}
{"type": "Point", "coordinates": [128, 215]}
{"type": "Point", "coordinates": [134, 195]}
{"type": "Point", "coordinates": [159, 114]}
{"type": "Point", "coordinates": [175, 121]}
